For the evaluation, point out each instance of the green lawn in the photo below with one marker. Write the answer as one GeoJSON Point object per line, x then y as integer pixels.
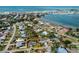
{"type": "Point", "coordinates": [2, 47]}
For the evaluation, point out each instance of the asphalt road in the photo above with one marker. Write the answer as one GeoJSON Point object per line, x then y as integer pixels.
{"type": "Point", "coordinates": [6, 48]}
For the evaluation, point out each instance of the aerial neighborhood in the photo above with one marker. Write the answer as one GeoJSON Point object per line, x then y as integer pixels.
{"type": "Point", "coordinates": [28, 33]}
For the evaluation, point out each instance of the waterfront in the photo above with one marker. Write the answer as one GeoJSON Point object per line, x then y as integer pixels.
{"type": "Point", "coordinates": [39, 32]}
{"type": "Point", "coordinates": [63, 20]}
{"type": "Point", "coordinates": [66, 20]}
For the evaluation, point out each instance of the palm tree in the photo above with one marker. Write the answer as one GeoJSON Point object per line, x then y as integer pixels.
{"type": "Point", "coordinates": [67, 42]}
{"type": "Point", "coordinates": [77, 29]}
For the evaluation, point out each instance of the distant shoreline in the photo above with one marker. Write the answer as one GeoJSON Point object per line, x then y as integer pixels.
{"type": "Point", "coordinates": [59, 24]}
{"type": "Point", "coordinates": [66, 26]}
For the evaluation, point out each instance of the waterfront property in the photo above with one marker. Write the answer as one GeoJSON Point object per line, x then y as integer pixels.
{"type": "Point", "coordinates": [40, 30]}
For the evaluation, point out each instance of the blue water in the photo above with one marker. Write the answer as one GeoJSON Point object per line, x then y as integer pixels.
{"type": "Point", "coordinates": [32, 8]}
{"type": "Point", "coordinates": [68, 20]}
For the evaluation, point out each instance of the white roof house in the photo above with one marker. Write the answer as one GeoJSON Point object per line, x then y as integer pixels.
{"type": "Point", "coordinates": [2, 38]}
{"type": "Point", "coordinates": [44, 33]}
{"type": "Point", "coordinates": [19, 39]}
{"type": "Point", "coordinates": [19, 42]}
{"type": "Point", "coordinates": [38, 30]}
{"type": "Point", "coordinates": [9, 28]}
{"type": "Point", "coordinates": [21, 27]}
{"type": "Point", "coordinates": [22, 32]}
{"type": "Point", "coordinates": [41, 22]}
{"type": "Point", "coordinates": [23, 35]}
